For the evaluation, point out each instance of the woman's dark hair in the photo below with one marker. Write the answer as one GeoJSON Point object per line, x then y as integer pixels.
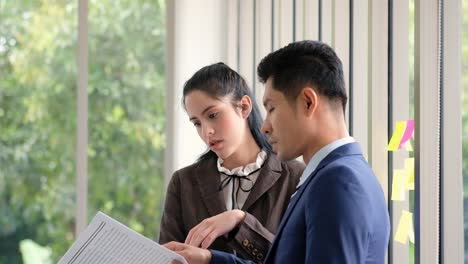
{"type": "Point", "coordinates": [218, 80]}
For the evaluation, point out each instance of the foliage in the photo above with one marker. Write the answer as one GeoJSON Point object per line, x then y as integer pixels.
{"type": "Point", "coordinates": [38, 75]}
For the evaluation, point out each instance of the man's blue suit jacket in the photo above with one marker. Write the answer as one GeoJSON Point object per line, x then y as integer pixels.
{"type": "Point", "coordinates": [339, 215]}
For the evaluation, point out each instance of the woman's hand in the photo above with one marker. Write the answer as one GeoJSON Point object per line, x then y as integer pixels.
{"type": "Point", "coordinates": [205, 233]}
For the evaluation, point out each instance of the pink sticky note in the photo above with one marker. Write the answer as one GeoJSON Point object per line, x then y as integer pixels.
{"type": "Point", "coordinates": [408, 133]}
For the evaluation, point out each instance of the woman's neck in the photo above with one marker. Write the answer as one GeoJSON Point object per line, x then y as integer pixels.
{"type": "Point", "coordinates": [246, 153]}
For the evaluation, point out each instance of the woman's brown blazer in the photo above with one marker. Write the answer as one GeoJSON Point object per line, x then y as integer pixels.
{"type": "Point", "coordinates": [193, 194]}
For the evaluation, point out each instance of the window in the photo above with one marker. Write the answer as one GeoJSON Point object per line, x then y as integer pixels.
{"type": "Point", "coordinates": [38, 102]}
{"type": "Point", "coordinates": [37, 124]}
{"type": "Point", "coordinates": [127, 111]}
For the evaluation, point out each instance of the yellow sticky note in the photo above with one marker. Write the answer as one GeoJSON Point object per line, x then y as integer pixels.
{"type": "Point", "coordinates": [398, 185]}
{"type": "Point", "coordinates": [409, 171]}
{"type": "Point", "coordinates": [405, 228]}
{"type": "Point", "coordinates": [397, 135]}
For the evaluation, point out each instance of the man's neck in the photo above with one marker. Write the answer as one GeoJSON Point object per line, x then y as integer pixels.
{"type": "Point", "coordinates": [319, 144]}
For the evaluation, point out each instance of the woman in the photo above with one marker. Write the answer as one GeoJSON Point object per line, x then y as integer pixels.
{"type": "Point", "coordinates": [233, 197]}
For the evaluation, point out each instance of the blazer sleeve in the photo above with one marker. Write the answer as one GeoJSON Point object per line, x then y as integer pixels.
{"type": "Point", "coordinates": [218, 257]}
{"type": "Point", "coordinates": [251, 238]}
{"type": "Point", "coordinates": [171, 228]}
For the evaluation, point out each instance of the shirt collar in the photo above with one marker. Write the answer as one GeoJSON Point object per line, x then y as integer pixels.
{"type": "Point", "coordinates": [244, 170]}
{"type": "Point", "coordinates": [320, 155]}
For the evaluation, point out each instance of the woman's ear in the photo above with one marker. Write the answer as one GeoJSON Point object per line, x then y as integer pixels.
{"type": "Point", "coordinates": [246, 106]}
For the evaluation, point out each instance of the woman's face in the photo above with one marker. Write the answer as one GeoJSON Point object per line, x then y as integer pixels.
{"type": "Point", "coordinates": [218, 123]}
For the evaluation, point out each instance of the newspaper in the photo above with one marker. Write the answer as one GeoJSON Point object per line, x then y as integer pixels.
{"type": "Point", "coordinates": [107, 241]}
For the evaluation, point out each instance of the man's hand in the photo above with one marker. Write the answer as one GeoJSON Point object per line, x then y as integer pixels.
{"type": "Point", "coordinates": [205, 233]}
{"type": "Point", "coordinates": [192, 255]}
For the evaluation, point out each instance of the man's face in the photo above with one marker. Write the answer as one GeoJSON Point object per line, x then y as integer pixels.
{"type": "Point", "coordinates": [282, 124]}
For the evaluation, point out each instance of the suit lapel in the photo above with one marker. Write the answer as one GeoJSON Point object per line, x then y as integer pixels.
{"type": "Point", "coordinates": [287, 214]}
{"type": "Point", "coordinates": [208, 182]}
{"type": "Point", "coordinates": [294, 200]}
{"type": "Point", "coordinates": [269, 174]}
{"type": "Point", "coordinates": [345, 150]}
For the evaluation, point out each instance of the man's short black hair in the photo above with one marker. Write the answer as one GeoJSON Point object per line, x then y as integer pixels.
{"type": "Point", "coordinates": [305, 63]}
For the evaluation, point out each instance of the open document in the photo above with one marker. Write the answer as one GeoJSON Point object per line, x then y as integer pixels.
{"type": "Point", "coordinates": [106, 241]}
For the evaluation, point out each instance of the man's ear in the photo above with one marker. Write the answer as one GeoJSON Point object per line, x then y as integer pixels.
{"type": "Point", "coordinates": [309, 100]}
{"type": "Point", "coordinates": [246, 106]}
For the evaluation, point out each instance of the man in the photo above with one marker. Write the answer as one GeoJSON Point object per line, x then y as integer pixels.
{"type": "Point", "coordinates": [338, 213]}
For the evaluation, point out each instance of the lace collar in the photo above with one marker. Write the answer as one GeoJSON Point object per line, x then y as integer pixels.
{"type": "Point", "coordinates": [244, 170]}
